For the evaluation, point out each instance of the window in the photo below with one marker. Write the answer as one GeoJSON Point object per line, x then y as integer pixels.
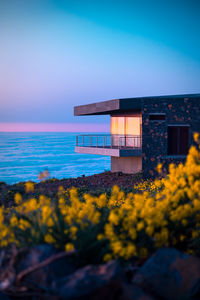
{"type": "Point", "coordinates": [126, 130]}
{"type": "Point", "coordinates": [178, 140]}
{"type": "Point", "coordinates": [157, 117]}
{"type": "Point", "coordinates": [126, 125]}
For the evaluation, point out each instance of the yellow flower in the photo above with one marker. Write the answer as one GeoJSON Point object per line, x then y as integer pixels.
{"type": "Point", "coordinates": [149, 230]}
{"type": "Point", "coordinates": [69, 247]}
{"type": "Point", "coordinates": [196, 137]}
{"type": "Point", "coordinates": [182, 237]}
{"type": "Point", "coordinates": [159, 168]}
{"type": "Point", "coordinates": [24, 224]}
{"type": "Point", "coordinates": [101, 200]}
{"type": "Point", "coordinates": [140, 225]}
{"type": "Point", "coordinates": [1, 216]}
{"type": "Point", "coordinates": [13, 220]}
{"type": "Point", "coordinates": [18, 198]}
{"type": "Point", "coordinates": [184, 222]}
{"type": "Point", "coordinates": [130, 251]}
{"type": "Point", "coordinates": [73, 231]}
{"type": "Point", "coordinates": [100, 237]}
{"type": "Point", "coordinates": [32, 204]}
{"type": "Point", "coordinates": [195, 234]}
{"type": "Point", "coordinates": [113, 218]}
{"type": "Point", "coordinates": [29, 187]}
{"type": "Point", "coordinates": [49, 239]}
{"type": "Point", "coordinates": [60, 190]}
{"type": "Point", "coordinates": [50, 222]}
{"type": "Point", "coordinates": [107, 257]}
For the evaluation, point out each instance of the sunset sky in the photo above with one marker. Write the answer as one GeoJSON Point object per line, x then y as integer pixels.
{"type": "Point", "coordinates": [58, 54]}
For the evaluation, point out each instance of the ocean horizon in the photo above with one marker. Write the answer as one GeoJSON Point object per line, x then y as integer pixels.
{"type": "Point", "coordinates": [23, 155]}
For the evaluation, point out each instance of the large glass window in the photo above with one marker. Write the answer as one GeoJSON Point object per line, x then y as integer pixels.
{"type": "Point", "coordinates": [117, 125]}
{"type": "Point", "coordinates": [126, 130]}
{"type": "Point", "coordinates": [133, 125]}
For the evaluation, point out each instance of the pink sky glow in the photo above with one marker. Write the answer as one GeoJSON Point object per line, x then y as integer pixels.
{"type": "Point", "coordinates": [54, 127]}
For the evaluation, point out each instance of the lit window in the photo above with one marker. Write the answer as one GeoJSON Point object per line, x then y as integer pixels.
{"type": "Point", "coordinates": [126, 125]}
{"type": "Point", "coordinates": [126, 130]}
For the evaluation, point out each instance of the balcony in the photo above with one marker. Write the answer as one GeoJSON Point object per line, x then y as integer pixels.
{"type": "Point", "coordinates": [107, 144]}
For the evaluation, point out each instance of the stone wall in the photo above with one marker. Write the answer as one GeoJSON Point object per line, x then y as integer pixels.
{"type": "Point", "coordinates": [179, 111]}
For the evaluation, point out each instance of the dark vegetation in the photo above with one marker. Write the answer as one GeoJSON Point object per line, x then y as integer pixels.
{"type": "Point", "coordinates": [94, 184]}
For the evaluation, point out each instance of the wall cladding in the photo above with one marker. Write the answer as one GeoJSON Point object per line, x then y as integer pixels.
{"type": "Point", "coordinates": [179, 111]}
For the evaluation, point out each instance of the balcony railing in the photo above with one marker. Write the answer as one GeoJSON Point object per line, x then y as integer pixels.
{"type": "Point", "coordinates": [109, 141]}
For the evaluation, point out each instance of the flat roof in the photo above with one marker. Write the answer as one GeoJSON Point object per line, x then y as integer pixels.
{"type": "Point", "coordinates": [119, 105]}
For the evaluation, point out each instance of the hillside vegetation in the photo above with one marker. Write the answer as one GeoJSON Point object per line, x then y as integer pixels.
{"type": "Point", "coordinates": [119, 224]}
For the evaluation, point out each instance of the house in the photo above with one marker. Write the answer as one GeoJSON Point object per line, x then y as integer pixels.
{"type": "Point", "coordinates": [145, 131]}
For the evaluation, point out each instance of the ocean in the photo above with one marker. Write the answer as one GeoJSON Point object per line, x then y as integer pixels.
{"type": "Point", "coordinates": [23, 155]}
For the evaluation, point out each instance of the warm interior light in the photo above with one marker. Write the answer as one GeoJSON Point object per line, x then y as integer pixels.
{"type": "Point", "coordinates": [117, 125]}
{"type": "Point", "coordinates": [126, 130]}
{"type": "Point", "coordinates": [132, 125]}
{"type": "Point", "coordinates": [126, 125]}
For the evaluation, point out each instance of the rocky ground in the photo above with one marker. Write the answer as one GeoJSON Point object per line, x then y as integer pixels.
{"type": "Point", "coordinates": [43, 273]}
{"type": "Point", "coordinates": [97, 183]}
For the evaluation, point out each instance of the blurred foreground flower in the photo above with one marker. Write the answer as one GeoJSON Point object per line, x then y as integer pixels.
{"type": "Point", "coordinates": [44, 175]}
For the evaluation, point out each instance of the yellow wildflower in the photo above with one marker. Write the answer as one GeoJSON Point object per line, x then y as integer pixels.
{"type": "Point", "coordinates": [159, 168]}
{"type": "Point", "coordinates": [107, 257]}
{"type": "Point", "coordinates": [29, 187]}
{"type": "Point", "coordinates": [49, 239]}
{"type": "Point", "coordinates": [18, 198]}
{"type": "Point", "coordinates": [69, 247]}
{"type": "Point", "coordinates": [196, 137]}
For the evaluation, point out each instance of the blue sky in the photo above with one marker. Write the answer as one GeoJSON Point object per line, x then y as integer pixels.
{"type": "Point", "coordinates": [57, 54]}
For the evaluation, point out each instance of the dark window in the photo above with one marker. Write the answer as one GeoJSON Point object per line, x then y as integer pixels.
{"type": "Point", "coordinates": [178, 140]}
{"type": "Point", "coordinates": [156, 117]}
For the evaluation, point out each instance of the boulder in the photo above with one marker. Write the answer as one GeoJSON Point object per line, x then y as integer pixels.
{"type": "Point", "coordinates": [133, 292]}
{"type": "Point", "coordinates": [106, 281]}
{"type": "Point", "coordinates": [92, 283]}
{"type": "Point", "coordinates": [4, 296]}
{"type": "Point", "coordinates": [46, 275]}
{"type": "Point", "coordinates": [119, 291]}
{"type": "Point", "coordinates": [170, 274]}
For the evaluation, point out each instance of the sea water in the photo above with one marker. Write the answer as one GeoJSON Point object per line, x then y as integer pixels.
{"type": "Point", "coordinates": [23, 155]}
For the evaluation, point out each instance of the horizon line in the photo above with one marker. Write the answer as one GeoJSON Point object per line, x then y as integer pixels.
{"type": "Point", "coordinates": [54, 127]}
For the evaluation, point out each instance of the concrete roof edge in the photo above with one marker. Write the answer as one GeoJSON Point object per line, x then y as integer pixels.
{"type": "Point", "coordinates": [114, 105]}
{"type": "Point", "coordinates": [102, 107]}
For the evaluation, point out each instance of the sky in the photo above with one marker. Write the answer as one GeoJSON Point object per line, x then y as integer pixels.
{"type": "Point", "coordinates": [58, 54]}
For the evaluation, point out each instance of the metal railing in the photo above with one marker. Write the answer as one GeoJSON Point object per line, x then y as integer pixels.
{"type": "Point", "coordinates": [109, 141]}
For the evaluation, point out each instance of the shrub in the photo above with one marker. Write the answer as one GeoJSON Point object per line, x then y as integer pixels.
{"type": "Point", "coordinates": [120, 225]}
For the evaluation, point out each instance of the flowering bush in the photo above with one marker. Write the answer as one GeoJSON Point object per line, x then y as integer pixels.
{"type": "Point", "coordinates": [158, 213]}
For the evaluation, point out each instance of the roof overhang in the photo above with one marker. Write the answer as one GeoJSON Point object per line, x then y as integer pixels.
{"type": "Point", "coordinates": [124, 105]}
{"type": "Point", "coordinates": [108, 107]}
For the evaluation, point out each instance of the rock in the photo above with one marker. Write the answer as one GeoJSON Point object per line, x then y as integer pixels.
{"type": "Point", "coordinates": [45, 275]}
{"type": "Point", "coordinates": [92, 283]}
{"type": "Point", "coordinates": [133, 292]}
{"type": "Point", "coordinates": [170, 274]}
{"type": "Point", "coordinates": [119, 291]}
{"type": "Point", "coordinates": [4, 296]}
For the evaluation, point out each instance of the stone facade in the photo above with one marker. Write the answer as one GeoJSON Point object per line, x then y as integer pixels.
{"type": "Point", "coordinates": [178, 111]}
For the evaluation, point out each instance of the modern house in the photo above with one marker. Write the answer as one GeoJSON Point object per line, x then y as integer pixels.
{"type": "Point", "coordinates": [145, 131]}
